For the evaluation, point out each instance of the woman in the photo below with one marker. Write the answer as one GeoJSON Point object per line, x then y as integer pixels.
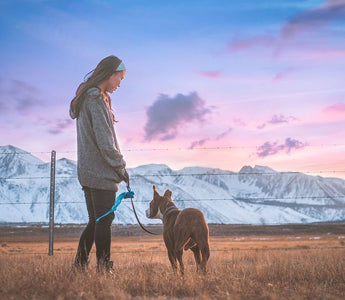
{"type": "Point", "coordinates": [101, 166]}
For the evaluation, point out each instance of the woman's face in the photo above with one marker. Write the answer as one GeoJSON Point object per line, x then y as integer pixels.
{"type": "Point", "coordinates": [114, 81]}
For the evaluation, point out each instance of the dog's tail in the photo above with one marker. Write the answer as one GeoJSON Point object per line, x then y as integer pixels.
{"type": "Point", "coordinates": [190, 244]}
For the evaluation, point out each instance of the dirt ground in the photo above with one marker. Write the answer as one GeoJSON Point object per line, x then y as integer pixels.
{"type": "Point", "coordinates": [14, 230]}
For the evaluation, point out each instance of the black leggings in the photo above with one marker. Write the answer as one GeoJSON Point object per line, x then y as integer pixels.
{"type": "Point", "coordinates": [98, 202]}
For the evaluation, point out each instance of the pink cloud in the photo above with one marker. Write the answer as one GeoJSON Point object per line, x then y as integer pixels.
{"type": "Point", "coordinates": [210, 74]}
{"type": "Point", "coordinates": [338, 108]}
{"type": "Point", "coordinates": [238, 44]}
{"type": "Point", "coordinates": [278, 77]}
{"type": "Point", "coordinates": [325, 54]}
{"type": "Point", "coordinates": [283, 75]}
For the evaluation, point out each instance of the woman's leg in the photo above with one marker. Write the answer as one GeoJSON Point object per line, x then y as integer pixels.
{"type": "Point", "coordinates": [87, 237]}
{"type": "Point", "coordinates": [102, 202]}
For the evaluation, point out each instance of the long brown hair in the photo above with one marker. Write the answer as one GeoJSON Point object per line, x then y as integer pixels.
{"type": "Point", "coordinates": [105, 68]}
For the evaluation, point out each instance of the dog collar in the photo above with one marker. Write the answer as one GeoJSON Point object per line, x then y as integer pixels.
{"type": "Point", "coordinates": [168, 210]}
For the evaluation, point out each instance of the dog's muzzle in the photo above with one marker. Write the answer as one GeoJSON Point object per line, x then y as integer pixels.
{"type": "Point", "coordinates": [157, 216]}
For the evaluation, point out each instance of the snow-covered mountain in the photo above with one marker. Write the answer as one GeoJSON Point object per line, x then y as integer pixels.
{"type": "Point", "coordinates": [256, 195]}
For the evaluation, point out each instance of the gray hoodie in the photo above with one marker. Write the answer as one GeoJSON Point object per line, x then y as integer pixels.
{"type": "Point", "coordinates": [100, 163]}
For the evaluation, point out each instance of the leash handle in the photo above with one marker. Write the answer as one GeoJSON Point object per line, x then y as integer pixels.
{"type": "Point", "coordinates": [118, 200]}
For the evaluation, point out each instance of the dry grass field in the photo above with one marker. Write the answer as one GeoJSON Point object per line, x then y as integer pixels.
{"type": "Point", "coordinates": [247, 262]}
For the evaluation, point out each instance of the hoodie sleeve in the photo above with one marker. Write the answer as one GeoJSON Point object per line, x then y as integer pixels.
{"type": "Point", "coordinates": [103, 130]}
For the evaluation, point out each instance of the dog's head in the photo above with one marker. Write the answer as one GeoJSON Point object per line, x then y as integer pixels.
{"type": "Point", "coordinates": [158, 204]}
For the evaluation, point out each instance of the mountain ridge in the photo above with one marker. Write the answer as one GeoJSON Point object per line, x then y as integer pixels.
{"type": "Point", "coordinates": [254, 195]}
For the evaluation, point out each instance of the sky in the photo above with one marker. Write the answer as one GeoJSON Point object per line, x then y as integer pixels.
{"type": "Point", "coordinates": [220, 84]}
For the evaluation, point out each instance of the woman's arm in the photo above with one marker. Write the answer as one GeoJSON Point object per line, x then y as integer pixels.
{"type": "Point", "coordinates": [102, 131]}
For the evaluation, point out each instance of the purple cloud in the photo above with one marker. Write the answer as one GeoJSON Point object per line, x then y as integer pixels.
{"type": "Point", "coordinates": [18, 95]}
{"type": "Point", "coordinates": [54, 125]}
{"type": "Point", "coordinates": [202, 142]}
{"type": "Point", "coordinates": [199, 143]}
{"type": "Point", "coordinates": [332, 10]}
{"type": "Point", "coordinates": [268, 148]}
{"type": "Point", "coordinates": [240, 122]}
{"type": "Point", "coordinates": [310, 19]}
{"type": "Point", "coordinates": [167, 115]}
{"type": "Point", "coordinates": [59, 126]}
{"type": "Point", "coordinates": [262, 126]}
{"type": "Point", "coordinates": [277, 119]}
{"type": "Point", "coordinates": [223, 134]}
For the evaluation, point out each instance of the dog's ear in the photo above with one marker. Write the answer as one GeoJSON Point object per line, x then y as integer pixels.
{"type": "Point", "coordinates": [155, 192]}
{"type": "Point", "coordinates": [167, 194]}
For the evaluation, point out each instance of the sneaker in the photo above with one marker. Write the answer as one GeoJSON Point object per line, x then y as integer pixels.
{"type": "Point", "coordinates": [105, 267]}
{"type": "Point", "coordinates": [80, 266]}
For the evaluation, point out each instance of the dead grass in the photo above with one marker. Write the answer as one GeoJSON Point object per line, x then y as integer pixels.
{"type": "Point", "coordinates": [240, 267]}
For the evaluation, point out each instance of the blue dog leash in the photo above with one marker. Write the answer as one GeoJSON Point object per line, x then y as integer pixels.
{"type": "Point", "coordinates": [119, 198]}
{"type": "Point", "coordinates": [125, 195]}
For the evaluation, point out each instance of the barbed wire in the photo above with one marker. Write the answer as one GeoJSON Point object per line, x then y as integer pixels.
{"type": "Point", "coordinates": [25, 153]}
{"type": "Point", "coordinates": [225, 173]}
{"type": "Point", "coordinates": [260, 200]}
{"type": "Point", "coordinates": [169, 149]}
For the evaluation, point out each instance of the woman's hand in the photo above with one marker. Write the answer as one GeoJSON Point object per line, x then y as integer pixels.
{"type": "Point", "coordinates": [126, 177]}
{"type": "Point", "coordinates": [122, 173]}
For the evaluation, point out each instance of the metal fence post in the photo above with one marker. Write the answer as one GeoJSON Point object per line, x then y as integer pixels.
{"type": "Point", "coordinates": [52, 200]}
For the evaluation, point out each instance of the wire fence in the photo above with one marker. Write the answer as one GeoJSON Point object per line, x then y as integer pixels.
{"type": "Point", "coordinates": [22, 152]}
{"type": "Point", "coordinates": [178, 174]}
{"type": "Point", "coordinates": [249, 199]}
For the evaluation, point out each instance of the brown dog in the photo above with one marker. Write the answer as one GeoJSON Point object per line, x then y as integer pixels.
{"type": "Point", "coordinates": [182, 230]}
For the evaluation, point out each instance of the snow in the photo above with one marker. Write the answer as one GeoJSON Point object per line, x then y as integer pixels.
{"type": "Point", "coordinates": [258, 195]}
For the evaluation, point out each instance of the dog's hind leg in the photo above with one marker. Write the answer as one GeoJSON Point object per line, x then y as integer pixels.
{"type": "Point", "coordinates": [197, 256]}
{"type": "Point", "coordinates": [205, 254]}
{"type": "Point", "coordinates": [179, 254]}
{"type": "Point", "coordinates": [172, 258]}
